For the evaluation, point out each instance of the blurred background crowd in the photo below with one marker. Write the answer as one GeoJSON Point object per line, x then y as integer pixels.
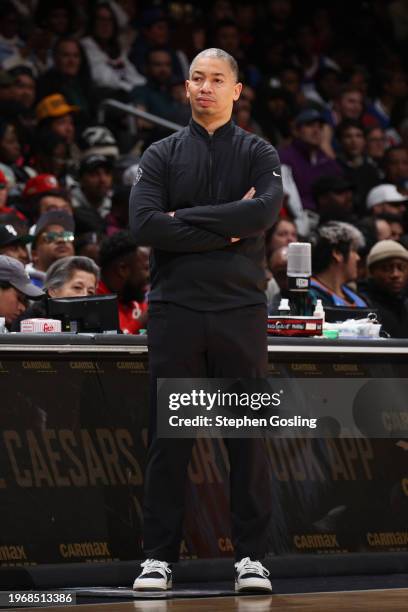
{"type": "Point", "coordinates": [325, 82]}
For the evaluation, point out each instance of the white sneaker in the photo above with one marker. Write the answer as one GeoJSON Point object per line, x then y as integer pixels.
{"type": "Point", "coordinates": [156, 576]}
{"type": "Point", "coordinates": [251, 576]}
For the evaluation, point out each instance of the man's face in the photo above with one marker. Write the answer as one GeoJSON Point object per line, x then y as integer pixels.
{"type": "Point", "coordinates": [53, 202]}
{"type": "Point", "coordinates": [17, 250]}
{"type": "Point", "coordinates": [391, 275]}
{"type": "Point", "coordinates": [51, 244]}
{"type": "Point", "coordinates": [24, 90]}
{"type": "Point", "coordinates": [310, 133]}
{"type": "Point", "coordinates": [353, 142]}
{"type": "Point", "coordinates": [212, 89]}
{"type": "Point", "coordinates": [68, 58]}
{"type": "Point", "coordinates": [9, 146]}
{"type": "Point", "coordinates": [397, 165]}
{"type": "Point", "coordinates": [64, 126]}
{"type": "Point", "coordinates": [350, 105]}
{"type": "Point", "coordinates": [97, 183]}
{"type": "Point", "coordinates": [12, 304]}
{"type": "Point", "coordinates": [159, 67]}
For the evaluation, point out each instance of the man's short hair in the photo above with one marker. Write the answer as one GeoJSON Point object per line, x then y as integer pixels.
{"type": "Point", "coordinates": [217, 54]}
{"type": "Point", "coordinates": [116, 247]}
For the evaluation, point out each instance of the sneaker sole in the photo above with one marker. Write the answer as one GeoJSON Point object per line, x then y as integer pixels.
{"type": "Point", "coordinates": [150, 584]}
{"type": "Point", "coordinates": [253, 584]}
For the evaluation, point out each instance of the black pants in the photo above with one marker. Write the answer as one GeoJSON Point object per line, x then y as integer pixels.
{"type": "Point", "coordinates": [184, 343]}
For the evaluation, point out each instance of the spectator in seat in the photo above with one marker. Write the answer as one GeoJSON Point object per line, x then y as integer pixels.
{"type": "Point", "coordinates": [95, 184]}
{"type": "Point", "coordinates": [69, 77]}
{"type": "Point", "coordinates": [13, 243]}
{"type": "Point", "coordinates": [335, 260]}
{"type": "Point", "coordinates": [334, 199]}
{"type": "Point", "coordinates": [387, 264]}
{"type": "Point", "coordinates": [24, 86]}
{"type": "Point", "coordinates": [396, 165]}
{"type": "Point", "coordinates": [281, 234]}
{"type": "Point", "coordinates": [306, 157]}
{"type": "Point", "coordinates": [15, 289]}
{"type": "Point", "coordinates": [348, 104]}
{"type": "Point", "coordinates": [155, 32]}
{"type": "Point", "coordinates": [357, 167]}
{"type": "Point", "coordinates": [53, 239]}
{"type": "Point", "coordinates": [376, 145]}
{"type": "Point", "coordinates": [54, 113]}
{"type": "Point", "coordinates": [41, 194]}
{"type": "Point", "coordinates": [125, 271]}
{"type": "Point", "coordinates": [386, 199]}
{"type": "Point", "coordinates": [155, 95]}
{"type": "Point", "coordinates": [110, 67]}
{"type": "Point", "coordinates": [67, 277]}
{"type": "Point", "coordinates": [51, 154]}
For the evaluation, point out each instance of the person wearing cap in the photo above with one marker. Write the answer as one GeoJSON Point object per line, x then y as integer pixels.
{"type": "Point", "coordinates": [386, 199]}
{"type": "Point", "coordinates": [387, 264]}
{"type": "Point", "coordinates": [41, 194]}
{"type": "Point", "coordinates": [54, 112]}
{"type": "Point", "coordinates": [15, 289]}
{"type": "Point", "coordinates": [53, 239]}
{"type": "Point", "coordinates": [98, 140]}
{"type": "Point", "coordinates": [95, 185]}
{"type": "Point", "coordinates": [357, 167]}
{"type": "Point", "coordinates": [70, 77]}
{"type": "Point", "coordinates": [305, 156]}
{"type": "Point", "coordinates": [14, 244]}
{"type": "Point", "coordinates": [334, 199]}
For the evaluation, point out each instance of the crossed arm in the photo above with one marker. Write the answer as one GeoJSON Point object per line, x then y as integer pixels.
{"type": "Point", "coordinates": [202, 228]}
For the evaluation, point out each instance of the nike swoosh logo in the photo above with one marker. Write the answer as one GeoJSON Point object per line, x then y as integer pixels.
{"type": "Point", "coordinates": [275, 173]}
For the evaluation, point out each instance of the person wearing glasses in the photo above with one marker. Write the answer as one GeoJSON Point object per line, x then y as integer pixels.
{"type": "Point", "coordinates": [53, 239]}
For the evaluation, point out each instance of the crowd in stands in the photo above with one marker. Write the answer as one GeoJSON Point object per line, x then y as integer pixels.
{"type": "Point", "coordinates": [328, 87]}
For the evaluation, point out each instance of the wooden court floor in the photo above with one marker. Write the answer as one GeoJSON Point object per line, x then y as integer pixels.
{"type": "Point", "coordinates": [387, 600]}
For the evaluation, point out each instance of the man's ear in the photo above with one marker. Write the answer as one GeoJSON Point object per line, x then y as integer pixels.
{"type": "Point", "coordinates": [337, 256]}
{"type": "Point", "coordinates": [237, 91]}
{"type": "Point", "coordinates": [186, 85]}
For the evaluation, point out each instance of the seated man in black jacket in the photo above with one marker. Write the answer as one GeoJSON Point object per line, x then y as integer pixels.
{"type": "Point", "coordinates": [207, 305]}
{"type": "Point", "coordinates": [387, 264]}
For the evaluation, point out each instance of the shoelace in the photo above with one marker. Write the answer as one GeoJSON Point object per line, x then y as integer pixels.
{"type": "Point", "coordinates": [152, 565]}
{"type": "Point", "coordinates": [251, 566]}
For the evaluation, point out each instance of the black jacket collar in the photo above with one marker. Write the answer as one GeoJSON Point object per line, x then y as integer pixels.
{"type": "Point", "coordinates": [222, 132]}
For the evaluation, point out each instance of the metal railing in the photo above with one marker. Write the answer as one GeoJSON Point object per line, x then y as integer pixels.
{"type": "Point", "coordinates": [135, 112]}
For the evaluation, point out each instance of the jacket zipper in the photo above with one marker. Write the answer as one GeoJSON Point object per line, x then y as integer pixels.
{"type": "Point", "coordinates": [210, 165]}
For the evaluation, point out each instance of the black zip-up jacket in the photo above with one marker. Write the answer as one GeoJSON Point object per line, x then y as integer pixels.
{"type": "Point", "coordinates": [204, 178]}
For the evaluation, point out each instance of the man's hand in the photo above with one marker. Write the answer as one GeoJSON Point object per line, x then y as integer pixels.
{"type": "Point", "coordinates": [249, 194]}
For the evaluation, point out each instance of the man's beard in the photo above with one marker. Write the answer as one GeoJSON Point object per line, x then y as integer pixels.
{"type": "Point", "coordinates": [132, 294]}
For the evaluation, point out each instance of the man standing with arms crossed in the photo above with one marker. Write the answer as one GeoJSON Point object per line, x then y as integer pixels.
{"type": "Point", "coordinates": [207, 307]}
